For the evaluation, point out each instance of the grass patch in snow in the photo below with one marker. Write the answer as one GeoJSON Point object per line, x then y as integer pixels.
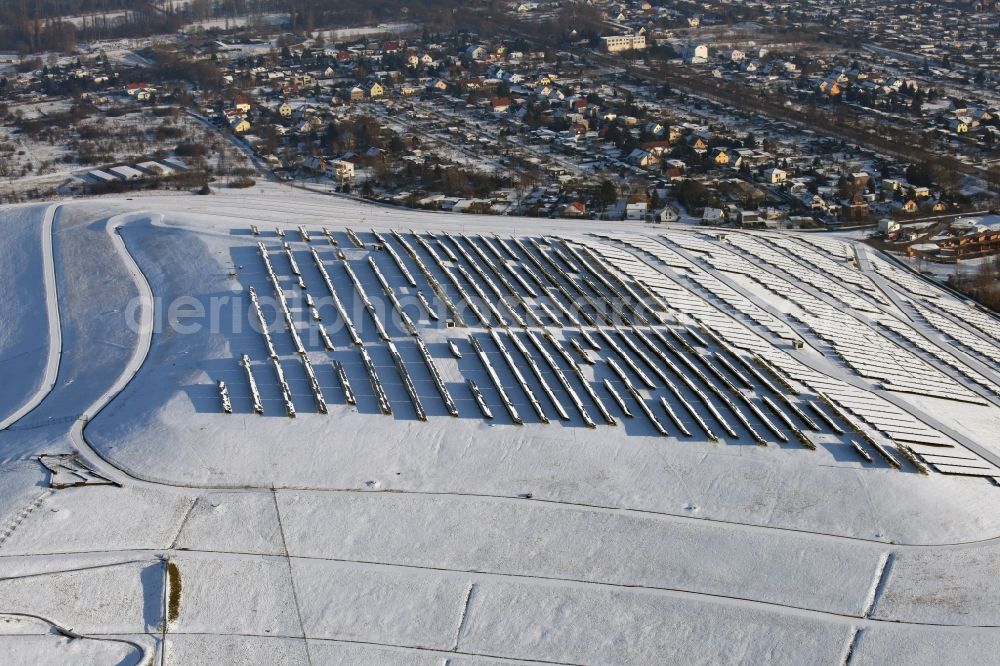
{"type": "Point", "coordinates": [174, 591]}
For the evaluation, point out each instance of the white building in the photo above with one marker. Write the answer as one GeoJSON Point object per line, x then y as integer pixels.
{"type": "Point", "coordinates": [636, 211]}
{"type": "Point", "coordinates": [775, 176]}
{"type": "Point", "coordinates": [697, 54]}
{"type": "Point", "coordinates": [126, 173]}
{"type": "Point", "coordinates": [618, 43]}
{"type": "Point", "coordinates": [712, 216]}
{"type": "Point", "coordinates": [887, 226]}
{"type": "Point", "coordinates": [668, 214]}
{"type": "Point", "coordinates": [155, 168]}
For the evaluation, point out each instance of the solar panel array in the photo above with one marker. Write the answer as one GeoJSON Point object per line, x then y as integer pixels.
{"type": "Point", "coordinates": [687, 336]}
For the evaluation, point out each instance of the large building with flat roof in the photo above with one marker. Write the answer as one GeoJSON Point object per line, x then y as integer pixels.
{"type": "Point", "coordinates": [618, 43]}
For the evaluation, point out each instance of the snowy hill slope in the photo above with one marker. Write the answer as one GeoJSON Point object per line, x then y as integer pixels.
{"type": "Point", "coordinates": [682, 446]}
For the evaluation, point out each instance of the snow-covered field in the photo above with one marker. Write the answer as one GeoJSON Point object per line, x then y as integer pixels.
{"type": "Point", "coordinates": [140, 523]}
{"type": "Point", "coordinates": [369, 30]}
{"type": "Point", "coordinates": [237, 22]}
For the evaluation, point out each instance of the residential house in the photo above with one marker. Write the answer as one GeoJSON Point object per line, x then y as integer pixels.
{"type": "Point", "coordinates": [858, 206]}
{"type": "Point", "coordinates": [887, 226]}
{"type": "Point", "coordinates": [133, 89]}
{"type": "Point", "coordinates": [575, 210]}
{"type": "Point", "coordinates": [655, 128]}
{"type": "Point", "coordinates": [697, 54]}
{"type": "Point", "coordinates": [317, 165]}
{"type": "Point", "coordinates": [721, 156]}
{"type": "Point", "coordinates": [500, 104]}
{"type": "Point", "coordinates": [712, 216]}
{"type": "Point", "coordinates": [668, 214]}
{"type": "Point", "coordinates": [657, 148]}
{"type": "Point", "coordinates": [697, 143]}
{"type": "Point", "coordinates": [642, 158]}
{"type": "Point", "coordinates": [242, 104]}
{"type": "Point", "coordinates": [341, 170]}
{"type": "Point", "coordinates": [830, 87]}
{"type": "Point", "coordinates": [636, 211]}
{"type": "Point", "coordinates": [860, 179]}
{"type": "Point", "coordinates": [775, 176]}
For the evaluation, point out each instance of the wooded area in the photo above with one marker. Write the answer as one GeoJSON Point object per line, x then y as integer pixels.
{"type": "Point", "coordinates": [31, 27]}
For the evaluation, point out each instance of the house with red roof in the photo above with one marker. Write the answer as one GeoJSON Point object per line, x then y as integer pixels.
{"type": "Point", "coordinates": [500, 104]}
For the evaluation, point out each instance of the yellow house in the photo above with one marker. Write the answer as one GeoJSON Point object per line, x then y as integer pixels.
{"type": "Point", "coordinates": [240, 125]}
{"type": "Point", "coordinates": [829, 87]}
{"type": "Point", "coordinates": [375, 89]}
{"type": "Point", "coordinates": [721, 157]}
{"type": "Point", "coordinates": [284, 109]}
{"type": "Point", "coordinates": [698, 144]}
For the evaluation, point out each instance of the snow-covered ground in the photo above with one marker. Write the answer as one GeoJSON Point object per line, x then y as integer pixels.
{"type": "Point", "coordinates": [369, 30]}
{"type": "Point", "coordinates": [181, 533]}
{"type": "Point", "coordinates": [237, 22]}
{"type": "Point", "coordinates": [45, 162]}
{"type": "Point", "coordinates": [24, 343]}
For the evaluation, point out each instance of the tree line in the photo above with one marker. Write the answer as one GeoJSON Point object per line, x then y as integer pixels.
{"type": "Point", "coordinates": [32, 27]}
